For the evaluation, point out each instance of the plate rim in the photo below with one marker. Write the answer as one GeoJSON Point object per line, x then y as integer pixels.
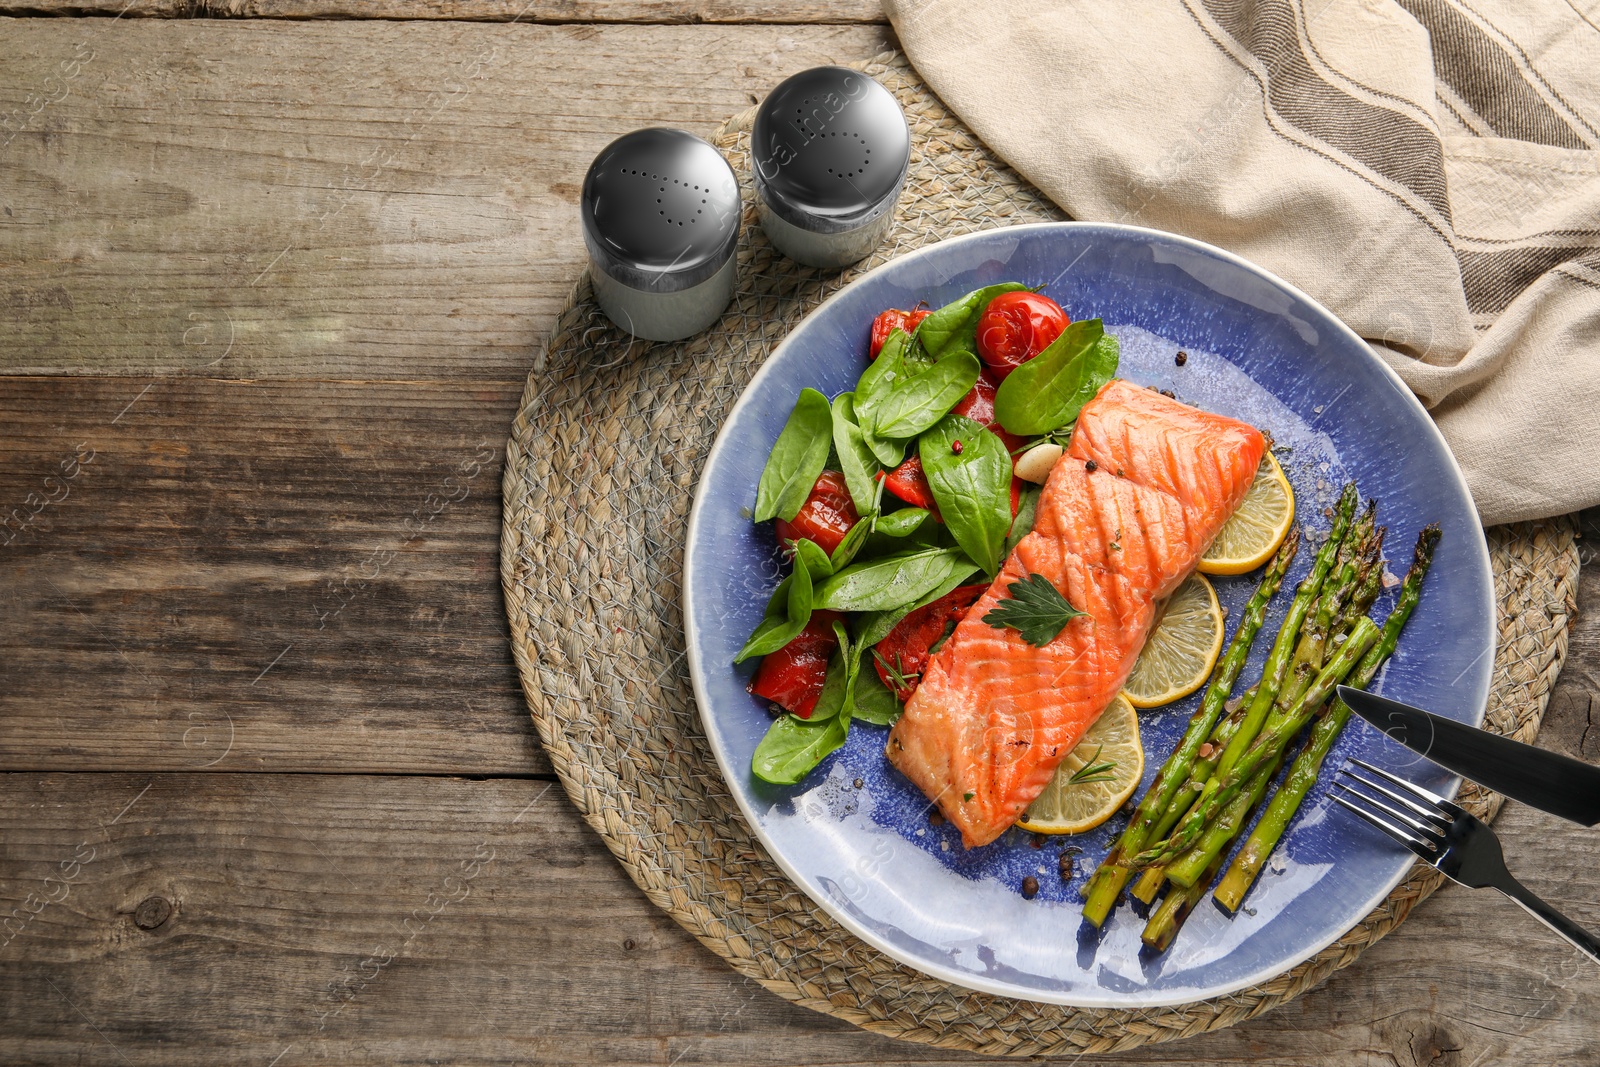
{"type": "Point", "coordinates": [952, 976]}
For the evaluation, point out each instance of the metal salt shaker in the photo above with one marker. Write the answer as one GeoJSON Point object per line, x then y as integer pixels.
{"type": "Point", "coordinates": [830, 150]}
{"type": "Point", "coordinates": [661, 212]}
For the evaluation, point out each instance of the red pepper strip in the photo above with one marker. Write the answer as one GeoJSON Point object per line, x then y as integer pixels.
{"type": "Point", "coordinates": [792, 677]}
{"type": "Point", "coordinates": [905, 648]}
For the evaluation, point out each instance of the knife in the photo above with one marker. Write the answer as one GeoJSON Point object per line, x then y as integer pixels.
{"type": "Point", "coordinates": [1546, 780]}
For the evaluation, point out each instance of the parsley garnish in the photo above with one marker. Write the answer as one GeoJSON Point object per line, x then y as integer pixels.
{"type": "Point", "coordinates": [1093, 770]}
{"type": "Point", "coordinates": [1035, 609]}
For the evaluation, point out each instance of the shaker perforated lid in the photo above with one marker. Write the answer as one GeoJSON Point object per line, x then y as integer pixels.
{"type": "Point", "coordinates": [830, 150]}
{"type": "Point", "coordinates": [660, 210]}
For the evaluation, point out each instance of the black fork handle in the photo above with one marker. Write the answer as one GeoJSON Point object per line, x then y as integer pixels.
{"type": "Point", "coordinates": [1552, 918]}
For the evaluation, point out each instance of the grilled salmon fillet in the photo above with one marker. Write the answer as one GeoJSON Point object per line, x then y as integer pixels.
{"type": "Point", "coordinates": [1123, 519]}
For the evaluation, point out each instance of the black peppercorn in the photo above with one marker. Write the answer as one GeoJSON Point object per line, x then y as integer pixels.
{"type": "Point", "coordinates": [1091, 466]}
{"type": "Point", "coordinates": [1030, 887]}
{"type": "Point", "coordinates": [1181, 358]}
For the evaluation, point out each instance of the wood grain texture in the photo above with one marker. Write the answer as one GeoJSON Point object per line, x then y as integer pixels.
{"type": "Point", "coordinates": [410, 920]}
{"type": "Point", "coordinates": [256, 575]}
{"type": "Point", "coordinates": [529, 11]}
{"type": "Point", "coordinates": [357, 200]}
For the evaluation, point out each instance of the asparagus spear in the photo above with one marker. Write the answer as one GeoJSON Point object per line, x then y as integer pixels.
{"type": "Point", "coordinates": [1151, 881]}
{"type": "Point", "coordinates": [1249, 723]}
{"type": "Point", "coordinates": [1278, 660]}
{"type": "Point", "coordinates": [1346, 588]}
{"type": "Point", "coordinates": [1166, 920]}
{"type": "Point", "coordinates": [1247, 864]}
{"type": "Point", "coordinates": [1220, 791]}
{"type": "Point", "coordinates": [1338, 590]}
{"type": "Point", "coordinates": [1103, 889]}
{"type": "Point", "coordinates": [1368, 587]}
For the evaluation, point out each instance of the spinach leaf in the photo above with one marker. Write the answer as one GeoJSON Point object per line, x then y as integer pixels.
{"type": "Point", "coordinates": [1027, 514]}
{"type": "Point", "coordinates": [971, 483]}
{"type": "Point", "coordinates": [856, 460]}
{"type": "Point", "coordinates": [787, 614]}
{"type": "Point", "coordinates": [917, 401]}
{"type": "Point", "coordinates": [1048, 391]}
{"type": "Point", "coordinates": [797, 458]}
{"type": "Point", "coordinates": [901, 523]}
{"type": "Point", "coordinates": [809, 554]}
{"type": "Point", "coordinates": [847, 548]}
{"type": "Point", "coordinates": [889, 582]}
{"type": "Point", "coordinates": [835, 687]}
{"type": "Point", "coordinates": [890, 452]}
{"type": "Point", "coordinates": [955, 326]}
{"type": "Point", "coordinates": [875, 626]}
{"type": "Point", "coordinates": [901, 531]}
{"type": "Point", "coordinates": [894, 364]}
{"type": "Point", "coordinates": [792, 747]}
{"type": "Point", "coordinates": [874, 702]}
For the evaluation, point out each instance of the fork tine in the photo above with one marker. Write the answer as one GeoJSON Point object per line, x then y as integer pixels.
{"type": "Point", "coordinates": [1435, 798]}
{"type": "Point", "coordinates": [1424, 810]}
{"type": "Point", "coordinates": [1405, 839]}
{"type": "Point", "coordinates": [1427, 831]}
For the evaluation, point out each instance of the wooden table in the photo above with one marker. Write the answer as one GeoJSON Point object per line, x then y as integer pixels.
{"type": "Point", "coordinates": [270, 286]}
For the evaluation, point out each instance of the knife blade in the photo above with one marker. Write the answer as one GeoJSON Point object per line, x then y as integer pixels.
{"type": "Point", "coordinates": [1546, 780]}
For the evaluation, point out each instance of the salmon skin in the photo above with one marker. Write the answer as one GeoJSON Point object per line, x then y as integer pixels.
{"type": "Point", "coordinates": [1145, 486]}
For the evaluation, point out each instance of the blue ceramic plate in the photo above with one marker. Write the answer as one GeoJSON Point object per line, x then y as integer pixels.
{"type": "Point", "coordinates": [855, 835]}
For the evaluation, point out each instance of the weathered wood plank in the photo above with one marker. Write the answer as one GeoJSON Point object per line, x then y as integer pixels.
{"type": "Point", "coordinates": [539, 11]}
{"type": "Point", "coordinates": [256, 575]}
{"type": "Point", "coordinates": [329, 200]}
{"type": "Point", "coordinates": [371, 919]}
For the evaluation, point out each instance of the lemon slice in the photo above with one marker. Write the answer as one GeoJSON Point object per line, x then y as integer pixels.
{"type": "Point", "coordinates": [1182, 648]}
{"type": "Point", "coordinates": [1071, 807]}
{"type": "Point", "coordinates": [1254, 532]}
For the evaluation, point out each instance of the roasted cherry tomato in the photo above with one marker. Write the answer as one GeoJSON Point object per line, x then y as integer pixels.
{"type": "Point", "coordinates": [904, 651]}
{"type": "Point", "coordinates": [909, 484]}
{"type": "Point", "coordinates": [1017, 326]}
{"type": "Point", "coordinates": [889, 321]}
{"type": "Point", "coordinates": [825, 517]}
{"type": "Point", "coordinates": [978, 405]}
{"type": "Point", "coordinates": [792, 677]}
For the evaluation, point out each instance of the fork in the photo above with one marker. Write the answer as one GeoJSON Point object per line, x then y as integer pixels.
{"type": "Point", "coordinates": [1455, 842]}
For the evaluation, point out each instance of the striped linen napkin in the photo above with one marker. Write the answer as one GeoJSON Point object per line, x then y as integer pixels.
{"type": "Point", "coordinates": [1425, 168]}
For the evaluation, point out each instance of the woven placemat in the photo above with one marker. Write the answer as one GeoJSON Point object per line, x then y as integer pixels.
{"type": "Point", "coordinates": [601, 466]}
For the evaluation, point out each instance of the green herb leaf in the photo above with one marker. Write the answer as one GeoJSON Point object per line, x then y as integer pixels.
{"type": "Point", "coordinates": [793, 747]}
{"type": "Point", "coordinates": [917, 401]}
{"type": "Point", "coordinates": [1035, 609]}
{"type": "Point", "coordinates": [788, 611]}
{"type": "Point", "coordinates": [972, 487]}
{"type": "Point", "coordinates": [1093, 770]}
{"type": "Point", "coordinates": [797, 458]}
{"type": "Point", "coordinates": [856, 460]}
{"type": "Point", "coordinates": [1048, 391]}
{"type": "Point", "coordinates": [897, 678]}
{"type": "Point", "coordinates": [892, 581]}
{"type": "Point", "coordinates": [1027, 514]}
{"type": "Point", "coordinates": [955, 326]}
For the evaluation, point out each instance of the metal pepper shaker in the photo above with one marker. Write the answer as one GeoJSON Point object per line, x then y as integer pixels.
{"type": "Point", "coordinates": [661, 211]}
{"type": "Point", "coordinates": [830, 150]}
